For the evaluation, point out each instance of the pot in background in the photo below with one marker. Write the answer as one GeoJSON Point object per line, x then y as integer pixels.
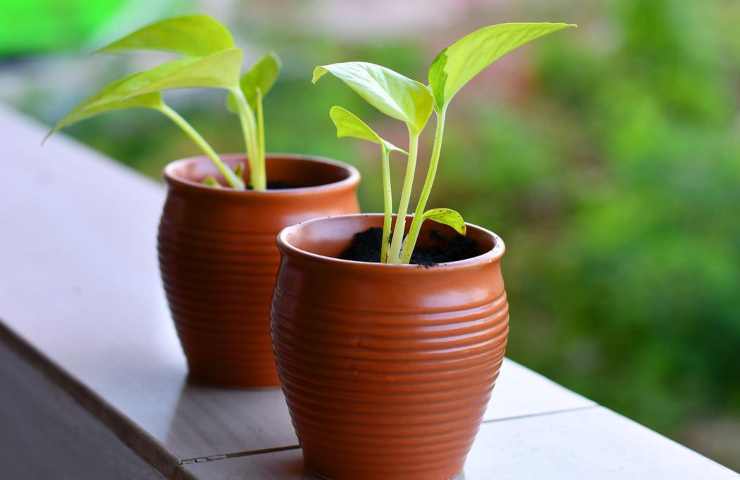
{"type": "Point", "coordinates": [386, 369]}
{"type": "Point", "coordinates": [218, 258]}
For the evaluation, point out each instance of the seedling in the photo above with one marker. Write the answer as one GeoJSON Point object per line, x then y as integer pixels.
{"type": "Point", "coordinates": [209, 59]}
{"type": "Point", "coordinates": [412, 103]}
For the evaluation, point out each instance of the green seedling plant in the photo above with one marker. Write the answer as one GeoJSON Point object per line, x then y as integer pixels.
{"type": "Point", "coordinates": [413, 103]}
{"type": "Point", "coordinates": [208, 58]}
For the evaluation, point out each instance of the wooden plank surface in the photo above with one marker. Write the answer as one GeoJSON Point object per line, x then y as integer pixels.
{"type": "Point", "coordinates": [81, 286]}
{"type": "Point", "coordinates": [590, 443]}
{"type": "Point", "coordinates": [45, 434]}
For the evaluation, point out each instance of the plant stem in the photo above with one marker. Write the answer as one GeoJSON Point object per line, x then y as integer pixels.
{"type": "Point", "coordinates": [256, 163]}
{"type": "Point", "coordinates": [387, 205]}
{"type": "Point", "coordinates": [426, 190]}
{"type": "Point", "coordinates": [394, 255]}
{"type": "Point", "coordinates": [261, 129]}
{"type": "Point", "coordinates": [228, 174]}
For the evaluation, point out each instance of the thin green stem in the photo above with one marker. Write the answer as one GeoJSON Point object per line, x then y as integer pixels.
{"type": "Point", "coordinates": [426, 190]}
{"type": "Point", "coordinates": [249, 129]}
{"type": "Point", "coordinates": [261, 128]}
{"type": "Point", "coordinates": [394, 255]}
{"type": "Point", "coordinates": [228, 174]}
{"type": "Point", "coordinates": [387, 205]}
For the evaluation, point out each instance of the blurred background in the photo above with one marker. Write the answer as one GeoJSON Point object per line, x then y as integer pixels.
{"type": "Point", "coordinates": [607, 157]}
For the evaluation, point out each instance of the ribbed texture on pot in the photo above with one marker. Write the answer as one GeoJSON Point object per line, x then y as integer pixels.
{"type": "Point", "coordinates": [218, 262]}
{"type": "Point", "coordinates": [387, 375]}
{"type": "Point", "coordinates": [219, 291]}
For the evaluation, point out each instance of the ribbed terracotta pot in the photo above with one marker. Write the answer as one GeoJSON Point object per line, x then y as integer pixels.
{"type": "Point", "coordinates": [218, 258]}
{"type": "Point", "coordinates": [386, 369]}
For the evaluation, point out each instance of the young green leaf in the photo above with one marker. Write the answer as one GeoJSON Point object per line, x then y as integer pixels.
{"type": "Point", "coordinates": [350, 125]}
{"type": "Point", "coordinates": [260, 76]}
{"type": "Point", "coordinates": [220, 70]}
{"type": "Point", "coordinates": [211, 181]}
{"type": "Point", "coordinates": [390, 92]}
{"type": "Point", "coordinates": [85, 110]}
{"type": "Point", "coordinates": [141, 90]}
{"type": "Point", "coordinates": [457, 64]}
{"type": "Point", "coordinates": [447, 216]}
{"type": "Point", "coordinates": [193, 35]}
{"type": "Point", "coordinates": [239, 170]}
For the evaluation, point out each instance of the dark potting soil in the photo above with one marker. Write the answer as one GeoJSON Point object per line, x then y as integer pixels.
{"type": "Point", "coordinates": [365, 247]}
{"type": "Point", "coordinates": [278, 185]}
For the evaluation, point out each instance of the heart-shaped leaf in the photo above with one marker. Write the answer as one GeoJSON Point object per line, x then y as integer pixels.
{"type": "Point", "coordinates": [350, 125]}
{"type": "Point", "coordinates": [220, 70]}
{"type": "Point", "coordinates": [447, 217]}
{"type": "Point", "coordinates": [457, 64]}
{"type": "Point", "coordinates": [193, 35]}
{"type": "Point", "coordinates": [390, 92]}
{"type": "Point", "coordinates": [260, 76]}
{"type": "Point", "coordinates": [85, 110]}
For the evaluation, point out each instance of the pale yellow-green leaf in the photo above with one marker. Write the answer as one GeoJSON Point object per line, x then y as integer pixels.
{"type": "Point", "coordinates": [193, 35]}
{"type": "Point", "coordinates": [219, 70]}
{"type": "Point", "coordinates": [260, 76]}
{"type": "Point", "coordinates": [211, 181]}
{"type": "Point", "coordinates": [239, 170]}
{"type": "Point", "coordinates": [390, 92]}
{"type": "Point", "coordinates": [447, 217]}
{"type": "Point", "coordinates": [457, 64]}
{"type": "Point", "coordinates": [142, 89]}
{"type": "Point", "coordinates": [85, 110]}
{"type": "Point", "coordinates": [350, 125]}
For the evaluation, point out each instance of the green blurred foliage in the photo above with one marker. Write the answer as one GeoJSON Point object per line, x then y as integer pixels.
{"type": "Point", "coordinates": [613, 174]}
{"type": "Point", "coordinates": [44, 25]}
{"type": "Point", "coordinates": [654, 241]}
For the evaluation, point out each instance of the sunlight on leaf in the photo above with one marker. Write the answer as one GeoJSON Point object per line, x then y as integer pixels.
{"type": "Point", "coordinates": [220, 70]}
{"type": "Point", "coordinates": [447, 216]}
{"type": "Point", "coordinates": [194, 35]}
{"type": "Point", "coordinates": [457, 64]}
{"type": "Point", "coordinates": [350, 125]}
{"type": "Point", "coordinates": [84, 111]}
{"type": "Point", "coordinates": [390, 92]}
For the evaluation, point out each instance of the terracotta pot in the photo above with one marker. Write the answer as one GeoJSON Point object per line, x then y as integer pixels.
{"type": "Point", "coordinates": [218, 258]}
{"type": "Point", "coordinates": [386, 369]}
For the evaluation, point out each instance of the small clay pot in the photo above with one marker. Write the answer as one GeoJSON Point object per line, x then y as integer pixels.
{"type": "Point", "coordinates": [386, 369]}
{"type": "Point", "coordinates": [218, 258]}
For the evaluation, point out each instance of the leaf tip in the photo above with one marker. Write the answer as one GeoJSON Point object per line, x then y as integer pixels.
{"type": "Point", "coordinates": [449, 217]}
{"type": "Point", "coordinates": [335, 113]}
{"type": "Point", "coordinates": [318, 72]}
{"type": "Point", "coordinates": [47, 136]}
{"type": "Point", "coordinates": [59, 125]}
{"type": "Point", "coordinates": [276, 58]}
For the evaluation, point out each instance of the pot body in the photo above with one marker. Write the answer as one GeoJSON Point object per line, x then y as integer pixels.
{"type": "Point", "coordinates": [218, 258]}
{"type": "Point", "coordinates": [387, 369]}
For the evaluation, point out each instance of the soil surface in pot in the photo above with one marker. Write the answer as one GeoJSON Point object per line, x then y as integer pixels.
{"type": "Point", "coordinates": [278, 185]}
{"type": "Point", "coordinates": [365, 247]}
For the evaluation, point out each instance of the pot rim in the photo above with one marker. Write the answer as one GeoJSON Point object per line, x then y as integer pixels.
{"type": "Point", "coordinates": [352, 180]}
{"type": "Point", "coordinates": [490, 256]}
